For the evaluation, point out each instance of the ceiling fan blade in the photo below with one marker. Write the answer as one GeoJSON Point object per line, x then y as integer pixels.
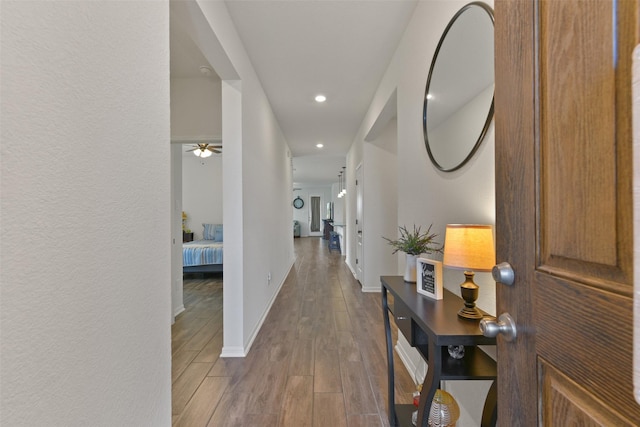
{"type": "Point", "coordinates": [215, 148]}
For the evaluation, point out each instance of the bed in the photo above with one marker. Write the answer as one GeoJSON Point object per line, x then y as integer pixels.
{"type": "Point", "coordinates": [206, 255]}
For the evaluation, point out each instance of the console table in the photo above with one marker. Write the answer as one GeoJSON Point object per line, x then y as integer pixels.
{"type": "Point", "coordinates": [431, 326]}
{"type": "Point", "coordinates": [328, 228]}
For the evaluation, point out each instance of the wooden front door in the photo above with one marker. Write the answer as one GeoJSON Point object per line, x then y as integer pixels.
{"type": "Point", "coordinates": [564, 210]}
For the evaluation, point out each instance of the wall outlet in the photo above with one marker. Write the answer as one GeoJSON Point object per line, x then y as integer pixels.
{"type": "Point", "coordinates": [269, 278]}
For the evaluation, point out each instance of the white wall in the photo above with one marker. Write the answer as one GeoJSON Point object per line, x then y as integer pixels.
{"type": "Point", "coordinates": [233, 220]}
{"type": "Point", "coordinates": [177, 294]}
{"type": "Point", "coordinates": [354, 159]}
{"type": "Point", "coordinates": [425, 195]}
{"type": "Point", "coordinates": [85, 305]}
{"type": "Point", "coordinates": [474, 114]}
{"type": "Point", "coordinates": [257, 184]}
{"type": "Point", "coordinates": [302, 215]}
{"type": "Point", "coordinates": [201, 191]}
{"type": "Point", "coordinates": [196, 108]}
{"type": "Point", "coordinates": [338, 204]}
{"type": "Point", "coordinates": [380, 207]}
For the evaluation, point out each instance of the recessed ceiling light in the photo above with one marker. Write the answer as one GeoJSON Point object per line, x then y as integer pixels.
{"type": "Point", "coordinates": [319, 145]}
{"type": "Point", "coordinates": [429, 96]}
{"type": "Point", "coordinates": [321, 98]}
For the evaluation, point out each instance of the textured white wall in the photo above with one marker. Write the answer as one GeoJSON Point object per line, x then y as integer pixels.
{"type": "Point", "coordinates": [202, 191]}
{"type": "Point", "coordinates": [85, 293]}
{"type": "Point", "coordinates": [424, 194]}
{"type": "Point", "coordinates": [196, 108]}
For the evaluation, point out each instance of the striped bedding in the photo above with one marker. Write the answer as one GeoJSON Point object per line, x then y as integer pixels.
{"type": "Point", "coordinates": [201, 252]}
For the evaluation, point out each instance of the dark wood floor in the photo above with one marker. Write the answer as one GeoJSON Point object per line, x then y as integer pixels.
{"type": "Point", "coordinates": [319, 359]}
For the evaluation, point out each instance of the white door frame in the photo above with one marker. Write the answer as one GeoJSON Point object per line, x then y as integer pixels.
{"type": "Point", "coordinates": [320, 232]}
{"type": "Point", "coordinates": [359, 225]}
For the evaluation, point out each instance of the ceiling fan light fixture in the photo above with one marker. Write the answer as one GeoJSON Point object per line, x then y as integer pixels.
{"type": "Point", "coordinates": [202, 153]}
{"type": "Point", "coordinates": [206, 150]}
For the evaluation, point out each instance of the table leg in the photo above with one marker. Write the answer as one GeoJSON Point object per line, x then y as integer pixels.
{"type": "Point", "coordinates": [490, 410]}
{"type": "Point", "coordinates": [430, 385]}
{"type": "Point", "coordinates": [393, 420]}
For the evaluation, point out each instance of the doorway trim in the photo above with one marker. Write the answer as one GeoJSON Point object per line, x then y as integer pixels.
{"type": "Point", "coordinates": [201, 32]}
{"type": "Point", "coordinates": [310, 215]}
{"type": "Point", "coordinates": [359, 224]}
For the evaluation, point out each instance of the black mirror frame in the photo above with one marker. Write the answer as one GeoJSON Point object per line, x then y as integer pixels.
{"type": "Point", "coordinates": [487, 123]}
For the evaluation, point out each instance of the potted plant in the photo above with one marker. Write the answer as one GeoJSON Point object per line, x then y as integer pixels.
{"type": "Point", "coordinates": [413, 244]}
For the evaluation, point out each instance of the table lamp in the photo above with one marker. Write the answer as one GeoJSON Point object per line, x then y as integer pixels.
{"type": "Point", "coordinates": [469, 247]}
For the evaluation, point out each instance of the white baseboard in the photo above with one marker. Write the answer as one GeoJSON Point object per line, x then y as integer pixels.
{"type": "Point", "coordinates": [351, 268]}
{"type": "Point", "coordinates": [176, 313]}
{"type": "Point", "coordinates": [417, 373]}
{"type": "Point", "coordinates": [242, 352]}
{"type": "Point", "coordinates": [407, 362]}
{"type": "Point", "coordinates": [232, 352]}
{"type": "Point", "coordinates": [370, 289]}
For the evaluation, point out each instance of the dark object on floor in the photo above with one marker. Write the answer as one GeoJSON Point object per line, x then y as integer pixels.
{"type": "Point", "coordinates": [334, 241]}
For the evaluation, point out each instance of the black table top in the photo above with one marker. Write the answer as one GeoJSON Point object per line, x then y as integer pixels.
{"type": "Point", "coordinates": [437, 318]}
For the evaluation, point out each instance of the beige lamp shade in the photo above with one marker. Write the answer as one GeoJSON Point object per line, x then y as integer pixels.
{"type": "Point", "coordinates": [469, 247]}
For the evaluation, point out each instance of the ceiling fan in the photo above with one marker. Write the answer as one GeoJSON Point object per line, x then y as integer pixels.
{"type": "Point", "coordinates": [205, 149]}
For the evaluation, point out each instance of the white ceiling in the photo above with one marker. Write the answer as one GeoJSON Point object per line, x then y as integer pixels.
{"type": "Point", "coordinates": [301, 48]}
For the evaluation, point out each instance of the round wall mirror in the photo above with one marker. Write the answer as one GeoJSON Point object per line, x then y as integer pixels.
{"type": "Point", "coordinates": [458, 99]}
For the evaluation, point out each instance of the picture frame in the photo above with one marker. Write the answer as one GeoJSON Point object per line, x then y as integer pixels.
{"type": "Point", "coordinates": [429, 278]}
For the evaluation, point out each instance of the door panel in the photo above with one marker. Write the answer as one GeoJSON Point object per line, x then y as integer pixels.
{"type": "Point", "coordinates": [563, 214]}
{"type": "Point", "coordinates": [564, 400]}
{"type": "Point", "coordinates": [585, 333]}
{"type": "Point", "coordinates": [584, 130]}
{"type": "Point", "coordinates": [580, 121]}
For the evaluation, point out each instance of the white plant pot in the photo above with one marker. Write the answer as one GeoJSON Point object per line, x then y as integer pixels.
{"type": "Point", "coordinates": [410, 268]}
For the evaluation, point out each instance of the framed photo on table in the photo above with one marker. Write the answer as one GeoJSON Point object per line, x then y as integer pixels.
{"type": "Point", "coordinates": [429, 278]}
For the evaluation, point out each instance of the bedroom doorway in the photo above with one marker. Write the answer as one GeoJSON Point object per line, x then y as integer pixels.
{"type": "Point", "coordinates": [216, 89]}
{"type": "Point", "coordinates": [315, 218]}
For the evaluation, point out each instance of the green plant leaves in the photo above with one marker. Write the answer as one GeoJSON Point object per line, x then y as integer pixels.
{"type": "Point", "coordinates": [416, 242]}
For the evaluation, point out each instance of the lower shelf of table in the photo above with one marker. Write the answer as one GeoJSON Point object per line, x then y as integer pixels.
{"type": "Point", "coordinates": [475, 365]}
{"type": "Point", "coordinates": [403, 414]}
